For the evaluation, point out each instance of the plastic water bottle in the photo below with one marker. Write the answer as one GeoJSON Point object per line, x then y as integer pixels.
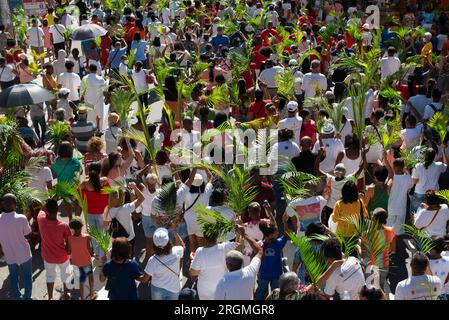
{"type": "Point", "coordinates": [346, 295]}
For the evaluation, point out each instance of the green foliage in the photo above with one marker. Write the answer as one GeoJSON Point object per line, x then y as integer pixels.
{"type": "Point", "coordinates": [328, 31]}
{"type": "Point", "coordinates": [63, 190]}
{"type": "Point", "coordinates": [294, 182]}
{"type": "Point", "coordinates": [412, 157]}
{"type": "Point", "coordinates": [390, 132]}
{"type": "Point", "coordinates": [313, 260]}
{"type": "Point", "coordinates": [59, 132]}
{"type": "Point", "coordinates": [443, 194]}
{"type": "Point", "coordinates": [438, 122]}
{"type": "Point", "coordinates": [422, 240]}
{"type": "Point", "coordinates": [10, 143]}
{"type": "Point", "coordinates": [121, 102]}
{"type": "Point", "coordinates": [335, 112]}
{"type": "Point", "coordinates": [354, 30]}
{"type": "Point", "coordinates": [286, 84]}
{"type": "Point", "coordinates": [102, 237]}
{"type": "Point", "coordinates": [131, 58]}
{"type": "Point", "coordinates": [217, 96]}
{"type": "Point", "coordinates": [212, 223]}
{"type": "Point", "coordinates": [165, 201]}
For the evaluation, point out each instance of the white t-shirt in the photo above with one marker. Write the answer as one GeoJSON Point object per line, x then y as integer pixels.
{"type": "Point", "coordinates": [35, 37]}
{"type": "Point", "coordinates": [123, 215]}
{"type": "Point", "coordinates": [419, 102]}
{"type": "Point", "coordinates": [112, 136]}
{"type": "Point", "coordinates": [389, 66]}
{"type": "Point", "coordinates": [438, 227]}
{"type": "Point", "coordinates": [161, 276]}
{"type": "Point", "coordinates": [72, 81]}
{"type": "Point", "coordinates": [57, 30]}
{"type": "Point", "coordinates": [281, 152]}
{"type": "Point", "coordinates": [269, 76]}
{"type": "Point", "coordinates": [397, 204]}
{"type": "Point", "coordinates": [428, 179]}
{"type": "Point", "coordinates": [166, 16]}
{"type": "Point", "coordinates": [146, 205]}
{"type": "Point", "coordinates": [6, 74]}
{"type": "Point", "coordinates": [293, 123]}
{"type": "Point", "coordinates": [39, 179]}
{"type": "Point", "coordinates": [333, 147]}
{"type": "Point", "coordinates": [78, 63]}
{"type": "Point", "coordinates": [253, 231]}
{"type": "Point", "coordinates": [227, 213]}
{"type": "Point", "coordinates": [305, 209]}
{"type": "Point", "coordinates": [428, 110]}
{"type": "Point", "coordinates": [348, 277]}
{"type": "Point", "coordinates": [423, 287]}
{"type": "Point", "coordinates": [239, 284]}
{"type": "Point", "coordinates": [411, 136]}
{"type": "Point", "coordinates": [440, 268]}
{"type": "Point", "coordinates": [311, 81]}
{"type": "Point", "coordinates": [139, 80]}
{"type": "Point", "coordinates": [335, 189]}
{"type": "Point", "coordinates": [211, 262]}
{"type": "Point", "coordinates": [299, 76]}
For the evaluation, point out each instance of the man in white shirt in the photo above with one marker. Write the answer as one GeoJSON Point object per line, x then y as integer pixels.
{"type": "Point", "coordinates": [57, 35]}
{"type": "Point", "coordinates": [420, 285]}
{"type": "Point", "coordinates": [269, 76]}
{"type": "Point", "coordinates": [238, 283]}
{"type": "Point", "coordinates": [417, 103]}
{"type": "Point", "coordinates": [93, 86]}
{"type": "Point", "coordinates": [333, 146]}
{"type": "Point", "coordinates": [293, 121]}
{"type": "Point", "coordinates": [314, 80]}
{"type": "Point", "coordinates": [390, 64]}
{"type": "Point", "coordinates": [347, 277]}
{"type": "Point", "coordinates": [71, 81]}
{"type": "Point", "coordinates": [35, 36]}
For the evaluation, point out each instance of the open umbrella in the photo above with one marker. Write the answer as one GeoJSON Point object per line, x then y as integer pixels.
{"type": "Point", "coordinates": [88, 32]}
{"type": "Point", "coordinates": [24, 94]}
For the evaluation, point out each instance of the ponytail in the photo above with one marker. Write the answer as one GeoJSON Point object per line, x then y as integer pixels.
{"type": "Point", "coordinates": [94, 176]}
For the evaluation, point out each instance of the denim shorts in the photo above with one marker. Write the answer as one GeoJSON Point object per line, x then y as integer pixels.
{"type": "Point", "coordinates": [85, 271]}
{"type": "Point", "coordinates": [148, 226]}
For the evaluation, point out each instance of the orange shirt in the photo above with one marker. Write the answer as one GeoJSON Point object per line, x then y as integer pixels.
{"type": "Point", "coordinates": [344, 210]}
{"type": "Point", "coordinates": [387, 236]}
{"type": "Point", "coordinates": [80, 255]}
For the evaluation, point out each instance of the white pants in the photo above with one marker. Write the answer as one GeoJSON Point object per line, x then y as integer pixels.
{"type": "Point", "coordinates": [64, 268]}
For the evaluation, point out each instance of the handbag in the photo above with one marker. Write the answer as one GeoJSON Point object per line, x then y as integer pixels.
{"type": "Point", "coordinates": [117, 230]}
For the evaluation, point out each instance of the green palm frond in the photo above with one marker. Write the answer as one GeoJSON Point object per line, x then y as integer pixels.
{"type": "Point", "coordinates": [165, 201]}
{"type": "Point", "coordinates": [198, 68]}
{"type": "Point", "coordinates": [354, 31]}
{"type": "Point", "coordinates": [102, 236]}
{"type": "Point", "coordinates": [335, 112]}
{"type": "Point", "coordinates": [10, 143]}
{"type": "Point", "coordinates": [286, 84]}
{"type": "Point", "coordinates": [443, 194]}
{"type": "Point", "coordinates": [59, 132]}
{"type": "Point", "coordinates": [294, 182]}
{"type": "Point", "coordinates": [328, 31]}
{"type": "Point", "coordinates": [131, 58]}
{"type": "Point", "coordinates": [121, 102]}
{"type": "Point", "coordinates": [313, 260]}
{"type": "Point", "coordinates": [390, 132]}
{"type": "Point", "coordinates": [422, 240]}
{"type": "Point", "coordinates": [233, 93]}
{"type": "Point", "coordinates": [439, 123]}
{"type": "Point", "coordinates": [240, 63]}
{"type": "Point", "coordinates": [15, 180]}
{"type": "Point", "coordinates": [212, 223]}
{"type": "Point", "coordinates": [217, 96]}
{"type": "Point", "coordinates": [357, 93]}
{"type": "Point", "coordinates": [63, 190]}
{"type": "Point", "coordinates": [307, 54]}
{"type": "Point", "coordinates": [230, 27]}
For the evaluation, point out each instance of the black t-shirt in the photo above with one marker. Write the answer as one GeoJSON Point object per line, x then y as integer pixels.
{"type": "Point", "coordinates": [82, 7]}
{"type": "Point", "coordinates": [305, 162]}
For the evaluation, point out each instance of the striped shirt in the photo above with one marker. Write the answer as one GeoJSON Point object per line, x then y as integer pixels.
{"type": "Point", "coordinates": [83, 130]}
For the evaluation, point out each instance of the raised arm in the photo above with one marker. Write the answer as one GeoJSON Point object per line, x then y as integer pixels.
{"type": "Point", "coordinates": [139, 195]}
{"type": "Point", "coordinates": [253, 243]}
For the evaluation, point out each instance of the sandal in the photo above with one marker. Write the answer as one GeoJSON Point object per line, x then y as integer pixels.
{"type": "Point", "coordinates": [95, 296]}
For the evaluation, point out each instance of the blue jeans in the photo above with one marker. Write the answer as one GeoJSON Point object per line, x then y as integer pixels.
{"type": "Point", "coordinates": [415, 201]}
{"type": "Point", "coordinates": [40, 126]}
{"type": "Point", "coordinates": [162, 294]}
{"type": "Point", "coordinates": [27, 270]}
{"type": "Point", "coordinates": [96, 220]}
{"type": "Point", "coordinates": [262, 287]}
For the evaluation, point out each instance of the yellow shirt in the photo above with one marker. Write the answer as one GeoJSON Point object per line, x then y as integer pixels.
{"type": "Point", "coordinates": [51, 19]}
{"type": "Point", "coordinates": [342, 210]}
{"type": "Point", "coordinates": [426, 52]}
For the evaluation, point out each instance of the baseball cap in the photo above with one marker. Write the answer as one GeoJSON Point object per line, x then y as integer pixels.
{"type": "Point", "coordinates": [292, 106]}
{"type": "Point", "coordinates": [160, 237]}
{"type": "Point", "coordinates": [198, 180]}
{"type": "Point", "coordinates": [64, 91]}
{"type": "Point", "coordinates": [293, 62]}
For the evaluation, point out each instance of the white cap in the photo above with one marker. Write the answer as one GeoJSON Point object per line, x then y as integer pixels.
{"type": "Point", "coordinates": [198, 180]}
{"type": "Point", "coordinates": [328, 128]}
{"type": "Point", "coordinates": [64, 91]}
{"type": "Point", "coordinates": [292, 106]}
{"type": "Point", "coordinates": [160, 237]}
{"type": "Point", "coordinates": [293, 62]}
{"type": "Point", "coordinates": [366, 26]}
{"type": "Point", "coordinates": [428, 35]}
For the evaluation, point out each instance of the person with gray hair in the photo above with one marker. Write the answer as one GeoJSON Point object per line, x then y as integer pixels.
{"type": "Point", "coordinates": [288, 288]}
{"type": "Point", "coordinates": [238, 283]}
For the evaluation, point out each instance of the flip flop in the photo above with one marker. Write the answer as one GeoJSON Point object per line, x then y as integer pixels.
{"type": "Point", "coordinates": [95, 296]}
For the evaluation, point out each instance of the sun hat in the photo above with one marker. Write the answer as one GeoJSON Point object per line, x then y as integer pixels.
{"type": "Point", "coordinates": [328, 128]}
{"type": "Point", "coordinates": [160, 237]}
{"type": "Point", "coordinates": [198, 180]}
{"type": "Point", "coordinates": [113, 118]}
{"type": "Point", "coordinates": [292, 106]}
{"type": "Point", "coordinates": [83, 109]}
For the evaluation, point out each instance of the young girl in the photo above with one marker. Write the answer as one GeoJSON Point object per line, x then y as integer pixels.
{"type": "Point", "coordinates": [163, 165]}
{"type": "Point", "coordinates": [252, 229]}
{"type": "Point", "coordinates": [47, 38]}
{"type": "Point", "coordinates": [80, 249]}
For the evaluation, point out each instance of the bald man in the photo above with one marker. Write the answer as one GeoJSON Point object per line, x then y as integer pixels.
{"type": "Point", "coordinates": [305, 161]}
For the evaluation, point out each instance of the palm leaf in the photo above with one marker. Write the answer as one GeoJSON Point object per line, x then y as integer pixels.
{"type": "Point", "coordinates": [412, 157]}
{"type": "Point", "coordinates": [121, 102]}
{"type": "Point", "coordinates": [165, 201]}
{"type": "Point", "coordinates": [63, 190]}
{"type": "Point", "coordinates": [286, 84]}
{"type": "Point", "coordinates": [58, 132]}
{"type": "Point", "coordinates": [294, 182]}
{"type": "Point", "coordinates": [212, 223]}
{"type": "Point", "coordinates": [217, 96]}
{"type": "Point", "coordinates": [131, 58]}
{"type": "Point", "coordinates": [313, 260]}
{"type": "Point", "coordinates": [102, 236]}
{"type": "Point", "coordinates": [422, 240]}
{"type": "Point", "coordinates": [439, 123]}
{"type": "Point", "coordinates": [443, 194]}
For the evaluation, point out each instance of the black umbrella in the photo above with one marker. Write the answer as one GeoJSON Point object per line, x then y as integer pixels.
{"type": "Point", "coordinates": [88, 31]}
{"type": "Point", "coordinates": [24, 94]}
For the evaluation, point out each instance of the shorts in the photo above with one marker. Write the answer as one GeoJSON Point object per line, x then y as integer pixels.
{"type": "Point", "coordinates": [84, 272]}
{"type": "Point", "coordinates": [58, 46]}
{"type": "Point", "coordinates": [148, 226]}
{"type": "Point", "coordinates": [64, 268]}
{"type": "Point", "coordinates": [192, 225]}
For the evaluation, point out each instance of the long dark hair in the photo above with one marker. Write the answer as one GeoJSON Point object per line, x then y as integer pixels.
{"type": "Point", "coordinates": [109, 162]}
{"type": "Point", "coordinates": [429, 156]}
{"type": "Point", "coordinates": [94, 176]}
{"type": "Point", "coordinates": [349, 192]}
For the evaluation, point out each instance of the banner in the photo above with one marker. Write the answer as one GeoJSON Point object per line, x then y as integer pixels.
{"type": "Point", "coordinates": [34, 7]}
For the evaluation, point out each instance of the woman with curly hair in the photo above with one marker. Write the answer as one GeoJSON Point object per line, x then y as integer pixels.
{"type": "Point", "coordinates": [94, 152]}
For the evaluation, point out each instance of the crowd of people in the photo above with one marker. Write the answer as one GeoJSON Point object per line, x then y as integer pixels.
{"type": "Point", "coordinates": [358, 162]}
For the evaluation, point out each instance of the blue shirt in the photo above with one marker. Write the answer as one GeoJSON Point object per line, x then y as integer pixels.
{"type": "Point", "coordinates": [121, 279]}
{"type": "Point", "coordinates": [140, 46]}
{"type": "Point", "coordinates": [115, 57]}
{"type": "Point", "coordinates": [218, 40]}
{"type": "Point", "coordinates": [271, 266]}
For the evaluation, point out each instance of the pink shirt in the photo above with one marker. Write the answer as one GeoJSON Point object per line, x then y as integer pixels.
{"type": "Point", "coordinates": [13, 229]}
{"type": "Point", "coordinates": [54, 234]}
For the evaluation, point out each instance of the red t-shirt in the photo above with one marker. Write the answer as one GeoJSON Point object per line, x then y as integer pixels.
{"type": "Point", "coordinates": [308, 130]}
{"type": "Point", "coordinates": [258, 109]}
{"type": "Point", "coordinates": [54, 234]}
{"type": "Point", "coordinates": [96, 202]}
{"type": "Point", "coordinates": [268, 33]}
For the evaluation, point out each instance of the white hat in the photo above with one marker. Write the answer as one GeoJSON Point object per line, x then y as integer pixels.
{"type": "Point", "coordinates": [292, 106]}
{"type": "Point", "coordinates": [293, 62]}
{"type": "Point", "coordinates": [160, 237]}
{"type": "Point", "coordinates": [198, 180]}
{"type": "Point", "coordinates": [366, 26]}
{"type": "Point", "coordinates": [64, 91]}
{"type": "Point", "coordinates": [328, 128]}
{"type": "Point", "coordinates": [428, 35]}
